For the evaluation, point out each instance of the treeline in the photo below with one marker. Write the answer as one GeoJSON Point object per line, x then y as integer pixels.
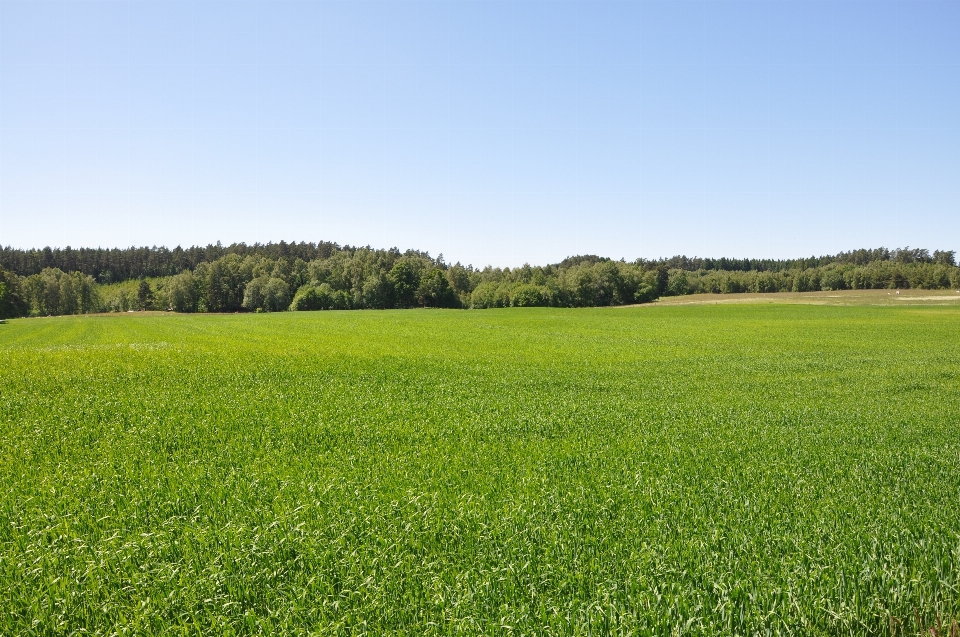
{"type": "Point", "coordinates": [836, 276]}
{"type": "Point", "coordinates": [259, 278]}
{"type": "Point", "coordinates": [122, 264]}
{"type": "Point", "coordinates": [853, 257]}
{"type": "Point", "coordinates": [348, 278]}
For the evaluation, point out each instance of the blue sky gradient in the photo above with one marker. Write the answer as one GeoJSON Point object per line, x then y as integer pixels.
{"type": "Point", "coordinates": [495, 132]}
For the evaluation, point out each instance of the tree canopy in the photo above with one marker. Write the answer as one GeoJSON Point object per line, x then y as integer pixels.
{"type": "Point", "coordinates": [322, 276]}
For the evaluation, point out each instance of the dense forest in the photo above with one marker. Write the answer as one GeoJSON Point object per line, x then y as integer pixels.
{"type": "Point", "coordinates": [319, 276]}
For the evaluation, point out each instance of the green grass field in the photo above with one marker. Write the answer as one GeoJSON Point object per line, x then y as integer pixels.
{"type": "Point", "coordinates": [714, 469]}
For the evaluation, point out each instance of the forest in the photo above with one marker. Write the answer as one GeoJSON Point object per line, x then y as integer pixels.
{"type": "Point", "coordinates": [320, 276]}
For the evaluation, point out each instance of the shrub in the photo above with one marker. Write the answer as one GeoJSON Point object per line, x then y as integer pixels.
{"type": "Point", "coordinates": [645, 293]}
{"type": "Point", "coordinates": [529, 295]}
{"type": "Point", "coordinates": [270, 294]}
{"type": "Point", "coordinates": [313, 297]}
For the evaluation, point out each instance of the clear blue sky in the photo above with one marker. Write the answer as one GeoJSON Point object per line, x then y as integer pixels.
{"type": "Point", "coordinates": [495, 132]}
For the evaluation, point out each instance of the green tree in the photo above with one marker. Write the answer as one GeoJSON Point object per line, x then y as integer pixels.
{"type": "Point", "coordinates": [271, 294]}
{"type": "Point", "coordinates": [313, 296]}
{"type": "Point", "coordinates": [377, 292]}
{"type": "Point", "coordinates": [645, 293]}
{"type": "Point", "coordinates": [435, 291]}
{"type": "Point", "coordinates": [832, 279]}
{"type": "Point", "coordinates": [945, 257]}
{"type": "Point", "coordinates": [253, 293]}
{"type": "Point", "coordinates": [483, 296]}
{"type": "Point", "coordinates": [406, 283]}
{"type": "Point", "coordinates": [801, 282]}
{"type": "Point", "coordinates": [529, 295]}
{"type": "Point", "coordinates": [320, 296]}
{"type": "Point", "coordinates": [88, 296]}
{"type": "Point", "coordinates": [224, 284]}
{"type": "Point", "coordinates": [181, 292]}
{"type": "Point", "coordinates": [577, 285]}
{"type": "Point", "coordinates": [144, 295]}
{"type": "Point", "coordinates": [51, 293]}
{"type": "Point", "coordinates": [732, 283]}
{"type": "Point", "coordinates": [68, 295]}
{"type": "Point", "coordinates": [678, 285]}
{"type": "Point", "coordinates": [276, 295]}
{"type": "Point", "coordinates": [663, 279]}
{"type": "Point", "coordinates": [459, 279]}
{"type": "Point", "coordinates": [12, 303]}
{"type": "Point", "coordinates": [765, 283]}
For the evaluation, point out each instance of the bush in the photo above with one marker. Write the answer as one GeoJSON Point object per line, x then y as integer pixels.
{"type": "Point", "coordinates": [529, 295]}
{"type": "Point", "coordinates": [313, 297]}
{"type": "Point", "coordinates": [307, 299]}
{"type": "Point", "coordinates": [319, 296]}
{"type": "Point", "coordinates": [267, 293]}
{"type": "Point", "coordinates": [645, 293]}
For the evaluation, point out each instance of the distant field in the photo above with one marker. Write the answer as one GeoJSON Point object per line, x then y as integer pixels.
{"type": "Point", "coordinates": [704, 469]}
{"type": "Point", "coordinates": [837, 297]}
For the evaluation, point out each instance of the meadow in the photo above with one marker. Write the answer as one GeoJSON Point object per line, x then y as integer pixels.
{"type": "Point", "coordinates": [691, 469]}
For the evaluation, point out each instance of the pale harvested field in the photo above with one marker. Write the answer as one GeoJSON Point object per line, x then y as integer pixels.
{"type": "Point", "coordinates": [838, 297]}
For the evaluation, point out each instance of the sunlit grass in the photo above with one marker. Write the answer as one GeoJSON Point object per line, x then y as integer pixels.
{"type": "Point", "coordinates": [701, 469]}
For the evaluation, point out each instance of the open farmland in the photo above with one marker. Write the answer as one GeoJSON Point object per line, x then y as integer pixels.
{"type": "Point", "coordinates": [703, 469]}
{"type": "Point", "coordinates": [834, 297]}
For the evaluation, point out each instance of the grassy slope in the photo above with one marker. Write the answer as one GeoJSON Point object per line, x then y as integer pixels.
{"type": "Point", "coordinates": [725, 468]}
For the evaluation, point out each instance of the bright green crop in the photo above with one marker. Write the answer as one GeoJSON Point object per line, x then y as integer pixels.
{"type": "Point", "coordinates": [711, 470]}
